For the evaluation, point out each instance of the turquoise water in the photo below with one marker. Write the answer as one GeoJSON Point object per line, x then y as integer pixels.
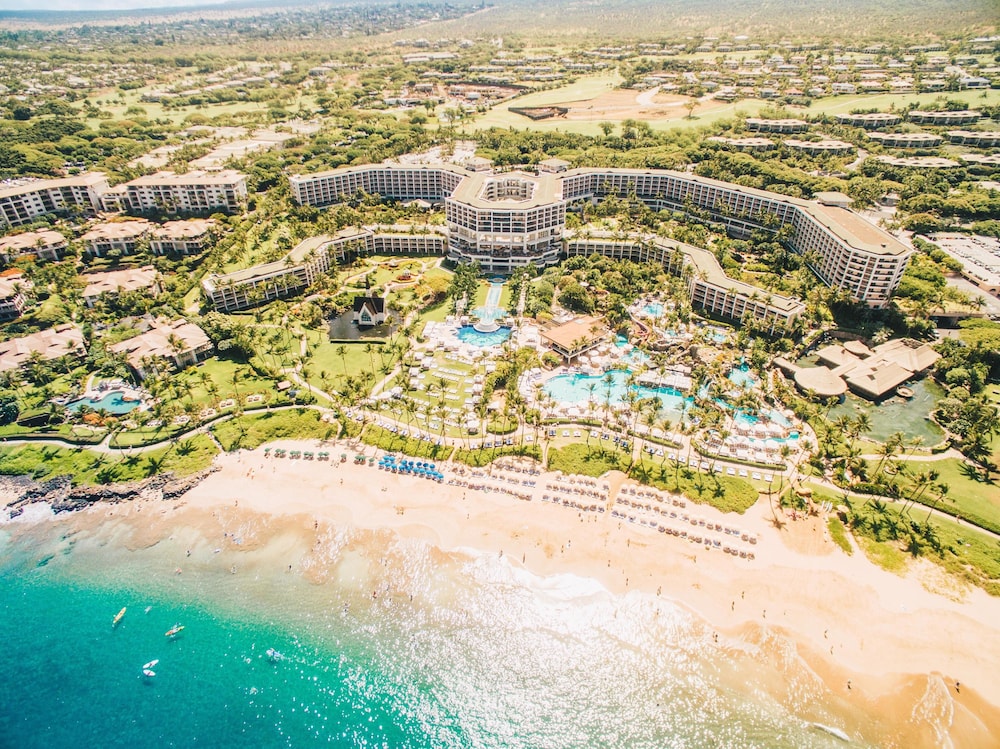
{"type": "Point", "coordinates": [454, 652]}
{"type": "Point", "coordinates": [468, 334]}
{"type": "Point", "coordinates": [111, 402]}
{"type": "Point", "coordinates": [491, 310]}
{"type": "Point", "coordinates": [744, 378]}
{"type": "Point", "coordinates": [653, 309]}
{"type": "Point", "coordinates": [575, 389]}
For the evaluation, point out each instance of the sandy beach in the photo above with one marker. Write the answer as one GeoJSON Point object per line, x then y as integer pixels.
{"type": "Point", "coordinates": [880, 642]}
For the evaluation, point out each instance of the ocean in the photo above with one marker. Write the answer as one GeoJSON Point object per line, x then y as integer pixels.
{"type": "Point", "coordinates": [391, 644]}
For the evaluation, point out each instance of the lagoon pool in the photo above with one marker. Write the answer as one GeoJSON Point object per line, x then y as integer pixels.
{"type": "Point", "coordinates": [468, 334]}
{"type": "Point", "coordinates": [743, 377]}
{"type": "Point", "coordinates": [574, 389]}
{"type": "Point", "coordinates": [653, 309]}
{"type": "Point", "coordinates": [113, 402]}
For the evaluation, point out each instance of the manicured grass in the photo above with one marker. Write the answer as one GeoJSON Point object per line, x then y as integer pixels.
{"type": "Point", "coordinates": [86, 467]}
{"type": "Point", "coordinates": [725, 493]}
{"type": "Point", "coordinates": [212, 381]}
{"type": "Point", "coordinates": [577, 458]}
{"type": "Point", "coordinates": [839, 535]}
{"type": "Point", "coordinates": [386, 440]}
{"type": "Point", "coordinates": [485, 456]}
{"type": "Point", "coordinates": [889, 536]}
{"type": "Point", "coordinates": [251, 430]}
{"type": "Point", "coordinates": [327, 369]}
{"type": "Point", "coordinates": [969, 496]}
{"type": "Point", "coordinates": [887, 556]}
{"type": "Point", "coordinates": [146, 435]}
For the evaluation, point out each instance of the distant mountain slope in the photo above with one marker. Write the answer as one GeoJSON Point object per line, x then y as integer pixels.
{"type": "Point", "coordinates": [645, 19]}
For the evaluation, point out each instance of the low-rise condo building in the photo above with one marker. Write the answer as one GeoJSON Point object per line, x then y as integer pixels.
{"type": "Point", "coordinates": [13, 300]}
{"type": "Point", "coordinates": [745, 144]}
{"type": "Point", "coordinates": [181, 237]}
{"type": "Point", "coordinates": [869, 120]}
{"type": "Point", "coordinates": [178, 343]}
{"type": "Point", "coordinates": [975, 138]}
{"type": "Point", "coordinates": [906, 140]}
{"type": "Point", "coordinates": [114, 282]}
{"type": "Point", "coordinates": [757, 125]}
{"type": "Point", "coordinates": [44, 245]}
{"type": "Point", "coordinates": [51, 343]}
{"type": "Point", "coordinates": [24, 202]}
{"type": "Point", "coordinates": [959, 117]}
{"type": "Point", "coordinates": [820, 147]}
{"type": "Point", "coordinates": [120, 236]}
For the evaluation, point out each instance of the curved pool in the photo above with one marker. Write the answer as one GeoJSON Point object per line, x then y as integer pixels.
{"type": "Point", "coordinates": [113, 402]}
{"type": "Point", "coordinates": [468, 334]}
{"type": "Point", "coordinates": [575, 389]}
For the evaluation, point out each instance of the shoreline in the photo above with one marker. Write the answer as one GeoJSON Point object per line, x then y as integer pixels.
{"type": "Point", "coordinates": [876, 640]}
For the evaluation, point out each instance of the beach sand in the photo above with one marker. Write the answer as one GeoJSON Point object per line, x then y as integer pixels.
{"type": "Point", "coordinates": [882, 644]}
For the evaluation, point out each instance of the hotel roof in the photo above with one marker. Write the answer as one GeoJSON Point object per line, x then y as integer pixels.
{"type": "Point", "coordinates": [223, 177]}
{"type": "Point", "coordinates": [129, 279]}
{"type": "Point", "coordinates": [29, 240]}
{"type": "Point", "coordinates": [183, 229]}
{"type": "Point", "coordinates": [156, 342]}
{"type": "Point", "coordinates": [89, 179]}
{"type": "Point", "coordinates": [545, 189]}
{"type": "Point", "coordinates": [51, 343]}
{"type": "Point", "coordinates": [847, 225]}
{"type": "Point", "coordinates": [112, 230]}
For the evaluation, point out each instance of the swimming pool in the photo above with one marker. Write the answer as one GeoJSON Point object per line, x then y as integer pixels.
{"type": "Point", "coordinates": [491, 310]}
{"type": "Point", "coordinates": [743, 377]}
{"type": "Point", "coordinates": [575, 389]}
{"type": "Point", "coordinates": [468, 334]}
{"type": "Point", "coordinates": [653, 309]}
{"type": "Point", "coordinates": [113, 402]}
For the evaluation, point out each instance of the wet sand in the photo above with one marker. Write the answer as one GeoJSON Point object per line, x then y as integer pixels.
{"type": "Point", "coordinates": [881, 643]}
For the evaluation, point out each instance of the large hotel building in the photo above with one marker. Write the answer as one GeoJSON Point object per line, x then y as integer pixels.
{"type": "Point", "coordinates": [506, 220]}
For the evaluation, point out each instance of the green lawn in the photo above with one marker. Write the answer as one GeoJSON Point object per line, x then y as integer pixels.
{"type": "Point", "coordinates": [86, 467]}
{"type": "Point", "coordinates": [969, 495]}
{"type": "Point", "coordinates": [725, 493]}
{"type": "Point", "coordinates": [329, 364]}
{"type": "Point", "coordinates": [578, 458]}
{"type": "Point", "coordinates": [386, 440]}
{"type": "Point", "coordinates": [486, 455]}
{"type": "Point", "coordinates": [251, 430]}
{"type": "Point", "coordinates": [889, 538]}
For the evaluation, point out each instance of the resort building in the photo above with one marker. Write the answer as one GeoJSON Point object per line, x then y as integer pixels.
{"type": "Point", "coordinates": [300, 268]}
{"type": "Point", "coordinates": [711, 290]}
{"type": "Point", "coordinates": [194, 193]}
{"type": "Point", "coordinates": [745, 144]}
{"type": "Point", "coordinates": [180, 343]}
{"type": "Point", "coordinates": [757, 125]}
{"type": "Point", "coordinates": [23, 203]}
{"type": "Point", "coordinates": [820, 147]}
{"type": "Point", "coordinates": [505, 221]}
{"type": "Point", "coordinates": [578, 336]}
{"type": "Point", "coordinates": [872, 373]}
{"type": "Point", "coordinates": [113, 283]}
{"type": "Point", "coordinates": [918, 162]}
{"type": "Point", "coordinates": [979, 256]}
{"type": "Point", "coordinates": [44, 245]}
{"type": "Point", "coordinates": [13, 286]}
{"type": "Point", "coordinates": [121, 236]}
{"type": "Point", "coordinates": [960, 117]}
{"type": "Point", "coordinates": [975, 138]}
{"type": "Point", "coordinates": [869, 120]}
{"type": "Point", "coordinates": [368, 311]}
{"type": "Point", "coordinates": [49, 344]}
{"type": "Point", "coordinates": [181, 237]}
{"type": "Point", "coordinates": [906, 140]}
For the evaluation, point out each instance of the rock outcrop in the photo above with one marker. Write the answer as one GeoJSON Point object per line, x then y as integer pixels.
{"type": "Point", "coordinates": [62, 496]}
